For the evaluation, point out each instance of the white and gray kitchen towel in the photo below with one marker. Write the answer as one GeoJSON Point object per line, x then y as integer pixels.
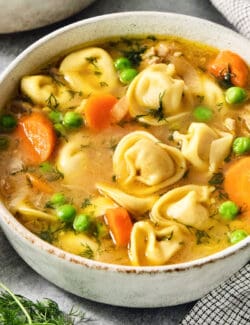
{"type": "Point", "coordinates": [229, 304]}
{"type": "Point", "coordinates": [237, 12]}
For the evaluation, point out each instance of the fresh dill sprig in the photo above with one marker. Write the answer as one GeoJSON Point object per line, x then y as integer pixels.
{"type": "Point", "coordinates": [18, 310]}
{"type": "Point", "coordinates": [52, 102]}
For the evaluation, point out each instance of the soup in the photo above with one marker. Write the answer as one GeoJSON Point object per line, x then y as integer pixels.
{"type": "Point", "coordinates": [131, 151]}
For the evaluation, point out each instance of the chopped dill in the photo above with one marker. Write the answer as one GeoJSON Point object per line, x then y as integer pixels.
{"type": "Point", "coordinates": [50, 172]}
{"type": "Point", "coordinates": [158, 112]}
{"type": "Point", "coordinates": [200, 98]}
{"type": "Point", "coordinates": [92, 60]}
{"type": "Point", "coordinates": [135, 55]}
{"type": "Point", "coordinates": [216, 179]}
{"type": "Point", "coordinates": [87, 251]}
{"type": "Point", "coordinates": [73, 93]}
{"type": "Point", "coordinates": [112, 144]}
{"type": "Point", "coordinates": [86, 202]}
{"type": "Point", "coordinates": [57, 78]}
{"type": "Point", "coordinates": [201, 237]}
{"type": "Point", "coordinates": [52, 102]}
{"type": "Point", "coordinates": [103, 84]}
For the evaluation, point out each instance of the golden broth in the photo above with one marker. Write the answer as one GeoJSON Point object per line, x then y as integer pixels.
{"type": "Point", "coordinates": [83, 156]}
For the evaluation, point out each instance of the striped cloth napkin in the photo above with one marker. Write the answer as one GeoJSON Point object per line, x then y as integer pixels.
{"type": "Point", "coordinates": [237, 12]}
{"type": "Point", "coordinates": [229, 304]}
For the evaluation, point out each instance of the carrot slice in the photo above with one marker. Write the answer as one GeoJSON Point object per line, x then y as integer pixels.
{"type": "Point", "coordinates": [229, 63]}
{"type": "Point", "coordinates": [237, 183]}
{"type": "Point", "coordinates": [97, 110]}
{"type": "Point", "coordinates": [120, 224]}
{"type": "Point", "coordinates": [39, 184]}
{"type": "Point", "coordinates": [37, 137]}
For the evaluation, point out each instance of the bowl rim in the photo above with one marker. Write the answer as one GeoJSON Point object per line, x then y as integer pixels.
{"type": "Point", "coordinates": [24, 233]}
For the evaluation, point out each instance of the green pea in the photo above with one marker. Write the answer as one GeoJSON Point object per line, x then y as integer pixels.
{"type": "Point", "coordinates": [203, 114]}
{"type": "Point", "coordinates": [237, 235]}
{"type": "Point", "coordinates": [4, 142]}
{"type": "Point", "coordinates": [127, 75]}
{"type": "Point", "coordinates": [57, 199]}
{"type": "Point", "coordinates": [235, 95]}
{"type": "Point", "coordinates": [55, 116]}
{"type": "Point", "coordinates": [66, 212]}
{"type": "Point", "coordinates": [72, 120]}
{"type": "Point", "coordinates": [228, 210]}
{"type": "Point", "coordinates": [8, 121]}
{"type": "Point", "coordinates": [82, 222]}
{"type": "Point", "coordinates": [122, 63]}
{"type": "Point", "coordinates": [241, 145]}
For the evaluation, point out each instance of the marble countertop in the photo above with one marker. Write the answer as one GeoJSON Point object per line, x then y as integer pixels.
{"type": "Point", "coordinates": [13, 271]}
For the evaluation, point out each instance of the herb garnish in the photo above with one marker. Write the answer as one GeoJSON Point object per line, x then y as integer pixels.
{"type": "Point", "coordinates": [52, 102]}
{"type": "Point", "coordinates": [56, 77]}
{"type": "Point", "coordinates": [18, 310]}
{"type": "Point", "coordinates": [201, 237]}
{"type": "Point", "coordinates": [86, 202]}
{"type": "Point", "coordinates": [158, 113]}
{"type": "Point", "coordinates": [87, 252]}
{"type": "Point", "coordinates": [103, 84]}
{"type": "Point", "coordinates": [73, 93]}
{"type": "Point", "coordinates": [92, 60]}
{"type": "Point", "coordinates": [216, 179]}
{"type": "Point", "coordinates": [135, 55]}
{"type": "Point", "coordinates": [51, 173]}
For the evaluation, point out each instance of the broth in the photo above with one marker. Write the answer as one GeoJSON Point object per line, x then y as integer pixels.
{"type": "Point", "coordinates": [139, 124]}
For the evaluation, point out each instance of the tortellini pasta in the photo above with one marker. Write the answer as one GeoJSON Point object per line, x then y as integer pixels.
{"type": "Point", "coordinates": [136, 205]}
{"type": "Point", "coordinates": [212, 94]}
{"type": "Point", "coordinates": [187, 204]}
{"type": "Point", "coordinates": [43, 91]}
{"type": "Point", "coordinates": [156, 93]}
{"type": "Point", "coordinates": [90, 71]}
{"type": "Point", "coordinates": [30, 212]}
{"type": "Point", "coordinates": [77, 243]}
{"type": "Point", "coordinates": [205, 148]}
{"type": "Point", "coordinates": [155, 246]}
{"type": "Point", "coordinates": [72, 161]}
{"type": "Point", "coordinates": [143, 165]}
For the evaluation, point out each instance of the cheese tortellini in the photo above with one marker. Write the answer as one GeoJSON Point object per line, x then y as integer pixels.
{"type": "Point", "coordinates": [156, 93]}
{"type": "Point", "coordinates": [155, 246]}
{"type": "Point", "coordinates": [72, 161]}
{"type": "Point", "coordinates": [205, 148]}
{"type": "Point", "coordinates": [143, 165]}
{"type": "Point", "coordinates": [136, 205]}
{"type": "Point", "coordinates": [90, 71]}
{"type": "Point", "coordinates": [43, 91]}
{"type": "Point", "coordinates": [187, 204]}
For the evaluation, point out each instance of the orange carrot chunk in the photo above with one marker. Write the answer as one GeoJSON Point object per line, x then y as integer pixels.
{"type": "Point", "coordinates": [229, 66]}
{"type": "Point", "coordinates": [98, 110]}
{"type": "Point", "coordinates": [37, 137]}
{"type": "Point", "coordinates": [120, 224]}
{"type": "Point", "coordinates": [237, 183]}
{"type": "Point", "coordinates": [39, 184]}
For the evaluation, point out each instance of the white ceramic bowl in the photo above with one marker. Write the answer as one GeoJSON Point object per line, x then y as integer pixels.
{"type": "Point", "coordinates": [20, 15]}
{"type": "Point", "coordinates": [114, 284]}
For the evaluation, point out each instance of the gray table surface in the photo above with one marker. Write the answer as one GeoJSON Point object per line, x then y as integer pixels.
{"type": "Point", "coordinates": [13, 271]}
